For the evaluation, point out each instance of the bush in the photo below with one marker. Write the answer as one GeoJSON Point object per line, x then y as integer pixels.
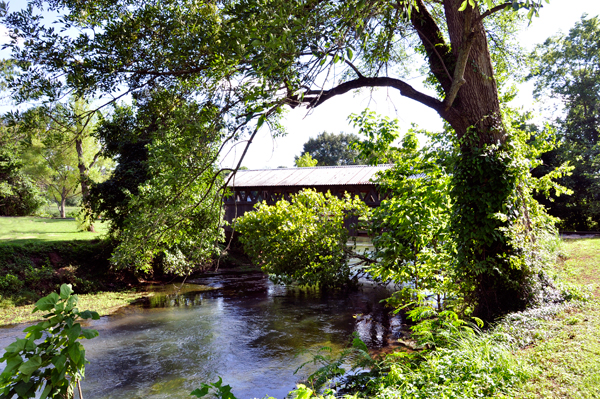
{"type": "Point", "coordinates": [55, 365]}
{"type": "Point", "coordinates": [10, 283]}
{"type": "Point", "coordinates": [30, 271]}
{"type": "Point", "coordinates": [303, 240]}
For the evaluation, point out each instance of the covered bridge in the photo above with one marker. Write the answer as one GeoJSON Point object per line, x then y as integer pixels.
{"type": "Point", "coordinates": [249, 187]}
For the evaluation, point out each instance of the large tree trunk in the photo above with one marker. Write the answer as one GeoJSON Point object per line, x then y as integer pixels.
{"type": "Point", "coordinates": [483, 181]}
{"type": "Point", "coordinates": [83, 176]}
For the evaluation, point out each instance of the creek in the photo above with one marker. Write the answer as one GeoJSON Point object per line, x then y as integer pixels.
{"type": "Point", "coordinates": [239, 326]}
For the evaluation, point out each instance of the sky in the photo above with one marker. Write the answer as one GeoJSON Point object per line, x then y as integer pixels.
{"type": "Point", "coordinates": [302, 124]}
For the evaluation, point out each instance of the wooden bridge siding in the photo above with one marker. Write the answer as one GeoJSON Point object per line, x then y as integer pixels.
{"type": "Point", "coordinates": [243, 199]}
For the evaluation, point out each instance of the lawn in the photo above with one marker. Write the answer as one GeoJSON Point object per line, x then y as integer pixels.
{"type": "Point", "coordinates": [104, 303]}
{"type": "Point", "coordinates": [566, 358]}
{"type": "Point", "coordinates": [34, 229]}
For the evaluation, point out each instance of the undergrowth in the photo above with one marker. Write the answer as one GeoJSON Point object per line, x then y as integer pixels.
{"type": "Point", "coordinates": [31, 270]}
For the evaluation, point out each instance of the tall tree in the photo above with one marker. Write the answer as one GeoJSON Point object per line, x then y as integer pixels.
{"type": "Point", "coordinates": [568, 69]}
{"type": "Point", "coordinates": [163, 199]}
{"type": "Point", "coordinates": [251, 58]}
{"type": "Point", "coordinates": [63, 154]}
{"type": "Point", "coordinates": [331, 149]}
{"type": "Point", "coordinates": [19, 195]}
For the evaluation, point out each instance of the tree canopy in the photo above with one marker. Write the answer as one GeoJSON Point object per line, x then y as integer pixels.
{"type": "Point", "coordinates": [567, 68]}
{"type": "Point", "coordinates": [330, 149]}
{"type": "Point", "coordinates": [247, 60]}
{"type": "Point", "coordinates": [163, 199]}
{"type": "Point", "coordinates": [305, 161]}
{"type": "Point", "coordinates": [19, 195]}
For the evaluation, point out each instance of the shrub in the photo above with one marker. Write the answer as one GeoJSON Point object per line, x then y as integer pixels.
{"type": "Point", "coordinates": [55, 365]}
{"type": "Point", "coordinates": [303, 240]}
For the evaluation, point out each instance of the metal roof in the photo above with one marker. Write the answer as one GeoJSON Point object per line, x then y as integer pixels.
{"type": "Point", "coordinates": [307, 177]}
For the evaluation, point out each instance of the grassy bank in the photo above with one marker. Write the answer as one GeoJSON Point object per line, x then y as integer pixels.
{"type": "Point", "coordinates": [564, 357]}
{"type": "Point", "coordinates": [34, 229]}
{"type": "Point", "coordinates": [104, 303]}
{"type": "Point", "coordinates": [550, 351]}
{"type": "Point", "coordinates": [37, 255]}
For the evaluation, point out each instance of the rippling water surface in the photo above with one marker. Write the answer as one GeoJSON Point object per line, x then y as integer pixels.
{"type": "Point", "coordinates": [237, 326]}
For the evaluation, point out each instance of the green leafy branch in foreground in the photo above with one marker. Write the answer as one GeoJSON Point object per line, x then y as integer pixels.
{"type": "Point", "coordinates": [55, 365]}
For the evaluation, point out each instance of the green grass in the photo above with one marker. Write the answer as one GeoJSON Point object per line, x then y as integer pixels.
{"type": "Point", "coordinates": [104, 303]}
{"type": "Point", "coordinates": [53, 211]}
{"type": "Point", "coordinates": [582, 263]}
{"type": "Point", "coordinates": [34, 229]}
{"type": "Point", "coordinates": [565, 357]}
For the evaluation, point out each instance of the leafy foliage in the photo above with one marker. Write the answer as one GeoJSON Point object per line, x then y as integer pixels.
{"type": "Point", "coordinates": [173, 212]}
{"type": "Point", "coordinates": [302, 240]}
{"type": "Point", "coordinates": [31, 270]}
{"type": "Point", "coordinates": [305, 161]}
{"type": "Point", "coordinates": [331, 149]}
{"type": "Point", "coordinates": [247, 65]}
{"type": "Point", "coordinates": [567, 68]}
{"type": "Point", "coordinates": [19, 195]}
{"type": "Point", "coordinates": [465, 364]}
{"type": "Point", "coordinates": [380, 133]}
{"type": "Point", "coordinates": [220, 391]}
{"type": "Point", "coordinates": [502, 258]}
{"type": "Point", "coordinates": [332, 366]}
{"type": "Point", "coordinates": [55, 365]}
{"type": "Point", "coordinates": [410, 230]}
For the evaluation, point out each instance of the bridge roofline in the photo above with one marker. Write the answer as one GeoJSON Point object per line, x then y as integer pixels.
{"type": "Point", "coordinates": [307, 177]}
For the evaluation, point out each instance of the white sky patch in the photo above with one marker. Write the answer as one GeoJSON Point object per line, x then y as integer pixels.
{"type": "Point", "coordinates": [4, 38]}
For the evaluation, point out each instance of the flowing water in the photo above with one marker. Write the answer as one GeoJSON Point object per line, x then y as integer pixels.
{"type": "Point", "coordinates": [237, 326]}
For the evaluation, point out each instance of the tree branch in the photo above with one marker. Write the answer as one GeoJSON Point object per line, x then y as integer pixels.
{"type": "Point", "coordinates": [439, 52]}
{"type": "Point", "coordinates": [435, 51]}
{"type": "Point", "coordinates": [314, 98]}
{"type": "Point", "coordinates": [491, 11]}
{"type": "Point", "coordinates": [355, 69]}
{"type": "Point", "coordinates": [461, 62]}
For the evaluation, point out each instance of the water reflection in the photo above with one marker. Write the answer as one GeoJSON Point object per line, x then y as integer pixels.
{"type": "Point", "coordinates": [238, 326]}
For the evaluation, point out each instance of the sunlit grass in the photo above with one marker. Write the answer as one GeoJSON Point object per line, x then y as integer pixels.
{"type": "Point", "coordinates": [565, 359]}
{"type": "Point", "coordinates": [104, 303]}
{"type": "Point", "coordinates": [582, 263]}
{"type": "Point", "coordinates": [29, 229]}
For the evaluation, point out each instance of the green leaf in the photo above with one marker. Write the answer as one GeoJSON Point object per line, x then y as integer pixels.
{"type": "Point", "coordinates": [200, 392]}
{"type": "Point", "coordinates": [74, 352]}
{"type": "Point", "coordinates": [74, 332]}
{"type": "Point", "coordinates": [261, 121]}
{"type": "Point", "coordinates": [87, 314]}
{"type": "Point", "coordinates": [71, 302]}
{"type": "Point", "coordinates": [59, 361]}
{"type": "Point", "coordinates": [23, 389]}
{"type": "Point", "coordinates": [30, 366]}
{"type": "Point", "coordinates": [46, 391]}
{"type": "Point", "coordinates": [30, 345]}
{"type": "Point", "coordinates": [66, 291]}
{"type": "Point", "coordinates": [16, 346]}
{"type": "Point", "coordinates": [463, 6]}
{"type": "Point", "coordinates": [349, 53]}
{"type": "Point", "coordinates": [12, 363]}
{"type": "Point", "coordinates": [89, 333]}
{"type": "Point", "coordinates": [47, 302]}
